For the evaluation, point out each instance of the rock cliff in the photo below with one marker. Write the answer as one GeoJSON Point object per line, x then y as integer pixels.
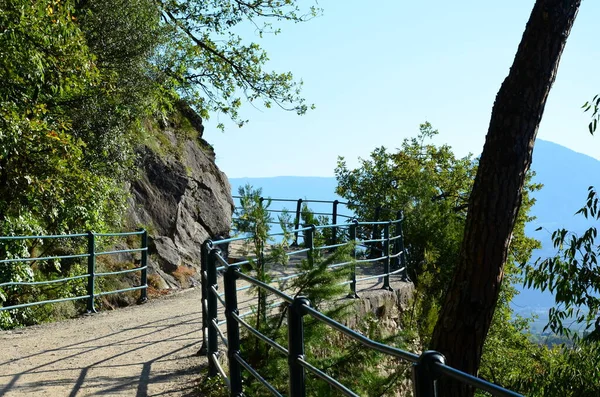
{"type": "Point", "coordinates": [180, 196]}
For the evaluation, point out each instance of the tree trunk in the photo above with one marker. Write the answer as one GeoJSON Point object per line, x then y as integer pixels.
{"type": "Point", "coordinates": [496, 197]}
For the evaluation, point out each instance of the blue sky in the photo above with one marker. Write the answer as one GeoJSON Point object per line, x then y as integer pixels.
{"type": "Point", "coordinates": [376, 73]}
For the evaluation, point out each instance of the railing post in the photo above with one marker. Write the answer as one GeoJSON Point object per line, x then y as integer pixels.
{"type": "Point", "coordinates": [310, 243]}
{"type": "Point", "coordinates": [386, 260]}
{"type": "Point", "coordinates": [396, 244]}
{"type": "Point", "coordinates": [204, 251]}
{"type": "Point", "coordinates": [297, 223]}
{"type": "Point", "coordinates": [213, 347]}
{"type": "Point", "coordinates": [233, 331]}
{"type": "Point", "coordinates": [91, 271]}
{"type": "Point", "coordinates": [400, 232]}
{"type": "Point", "coordinates": [334, 221]}
{"type": "Point", "coordinates": [144, 266]}
{"type": "Point", "coordinates": [425, 374]}
{"type": "Point", "coordinates": [296, 347]}
{"type": "Point", "coordinates": [353, 228]}
{"type": "Point", "coordinates": [374, 233]}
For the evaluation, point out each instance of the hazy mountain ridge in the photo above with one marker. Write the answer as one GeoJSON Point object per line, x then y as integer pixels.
{"type": "Point", "coordinates": [565, 174]}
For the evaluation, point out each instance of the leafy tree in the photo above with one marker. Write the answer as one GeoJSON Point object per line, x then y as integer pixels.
{"type": "Point", "coordinates": [45, 184]}
{"type": "Point", "coordinates": [431, 185]}
{"type": "Point", "coordinates": [428, 183]}
{"type": "Point", "coordinates": [209, 63]}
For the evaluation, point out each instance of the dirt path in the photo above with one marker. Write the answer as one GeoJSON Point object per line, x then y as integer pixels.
{"type": "Point", "coordinates": [147, 350]}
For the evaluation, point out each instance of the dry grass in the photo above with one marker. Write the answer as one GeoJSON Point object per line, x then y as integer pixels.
{"type": "Point", "coordinates": [183, 275]}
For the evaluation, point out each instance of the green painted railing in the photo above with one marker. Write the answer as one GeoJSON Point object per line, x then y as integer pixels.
{"type": "Point", "coordinates": [427, 368]}
{"type": "Point", "coordinates": [91, 276]}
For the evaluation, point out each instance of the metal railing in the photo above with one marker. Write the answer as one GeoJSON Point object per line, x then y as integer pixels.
{"type": "Point", "coordinates": [91, 276]}
{"type": "Point", "coordinates": [427, 367]}
{"type": "Point", "coordinates": [334, 216]}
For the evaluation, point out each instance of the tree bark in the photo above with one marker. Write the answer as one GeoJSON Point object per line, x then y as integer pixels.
{"type": "Point", "coordinates": [471, 298]}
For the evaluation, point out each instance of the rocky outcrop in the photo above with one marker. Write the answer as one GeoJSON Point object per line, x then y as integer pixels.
{"type": "Point", "coordinates": [181, 198]}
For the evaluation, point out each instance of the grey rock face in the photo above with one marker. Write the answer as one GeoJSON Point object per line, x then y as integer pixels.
{"type": "Point", "coordinates": [181, 200]}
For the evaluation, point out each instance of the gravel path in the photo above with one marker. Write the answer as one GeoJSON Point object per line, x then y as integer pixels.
{"type": "Point", "coordinates": [146, 350]}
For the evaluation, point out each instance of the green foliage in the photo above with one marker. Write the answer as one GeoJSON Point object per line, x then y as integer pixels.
{"type": "Point", "coordinates": [594, 106]}
{"type": "Point", "coordinates": [428, 183]}
{"type": "Point", "coordinates": [431, 186]}
{"type": "Point", "coordinates": [45, 184]}
{"type": "Point", "coordinates": [573, 276]}
{"type": "Point", "coordinates": [207, 61]}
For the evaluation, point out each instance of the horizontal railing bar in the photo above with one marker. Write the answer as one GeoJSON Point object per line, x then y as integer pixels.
{"type": "Point", "coordinates": [214, 291]}
{"type": "Point", "coordinates": [279, 211]}
{"type": "Point", "coordinates": [374, 240]}
{"type": "Point", "coordinates": [279, 234]}
{"type": "Point", "coordinates": [370, 277]}
{"type": "Point", "coordinates": [135, 233]}
{"type": "Point", "coordinates": [121, 251]}
{"type": "Point", "coordinates": [259, 378]}
{"type": "Point", "coordinates": [258, 283]}
{"type": "Point", "coordinates": [397, 271]}
{"type": "Point", "coordinates": [284, 278]}
{"type": "Point", "coordinates": [323, 201]}
{"type": "Point", "coordinates": [395, 237]}
{"type": "Point", "coordinates": [260, 335]}
{"type": "Point", "coordinates": [324, 247]}
{"type": "Point", "coordinates": [121, 290]}
{"type": "Point", "coordinates": [336, 265]}
{"type": "Point", "coordinates": [367, 223]}
{"type": "Point", "coordinates": [215, 360]}
{"type": "Point", "coordinates": [361, 338]}
{"type": "Point", "coordinates": [245, 287]}
{"type": "Point", "coordinates": [51, 236]}
{"type": "Point", "coordinates": [221, 268]}
{"type": "Point", "coordinates": [3, 308]}
{"type": "Point", "coordinates": [370, 260]}
{"type": "Point", "coordinates": [297, 252]}
{"type": "Point", "coordinates": [272, 305]}
{"type": "Point", "coordinates": [337, 225]}
{"type": "Point", "coordinates": [271, 199]}
{"type": "Point", "coordinates": [327, 378]}
{"type": "Point", "coordinates": [136, 269]}
{"type": "Point", "coordinates": [43, 282]}
{"type": "Point", "coordinates": [397, 254]}
{"type": "Point", "coordinates": [221, 334]}
{"type": "Point", "coordinates": [321, 213]}
{"type": "Point", "coordinates": [475, 381]}
{"type": "Point", "coordinates": [44, 258]}
{"type": "Point", "coordinates": [228, 240]}
{"type": "Point", "coordinates": [241, 263]}
{"type": "Point", "coordinates": [222, 260]}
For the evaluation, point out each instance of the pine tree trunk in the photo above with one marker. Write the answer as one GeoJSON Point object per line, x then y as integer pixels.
{"type": "Point", "coordinates": [470, 301]}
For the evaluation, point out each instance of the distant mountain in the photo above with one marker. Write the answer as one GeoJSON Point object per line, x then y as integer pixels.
{"type": "Point", "coordinates": [566, 176]}
{"type": "Point", "coordinates": [564, 173]}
